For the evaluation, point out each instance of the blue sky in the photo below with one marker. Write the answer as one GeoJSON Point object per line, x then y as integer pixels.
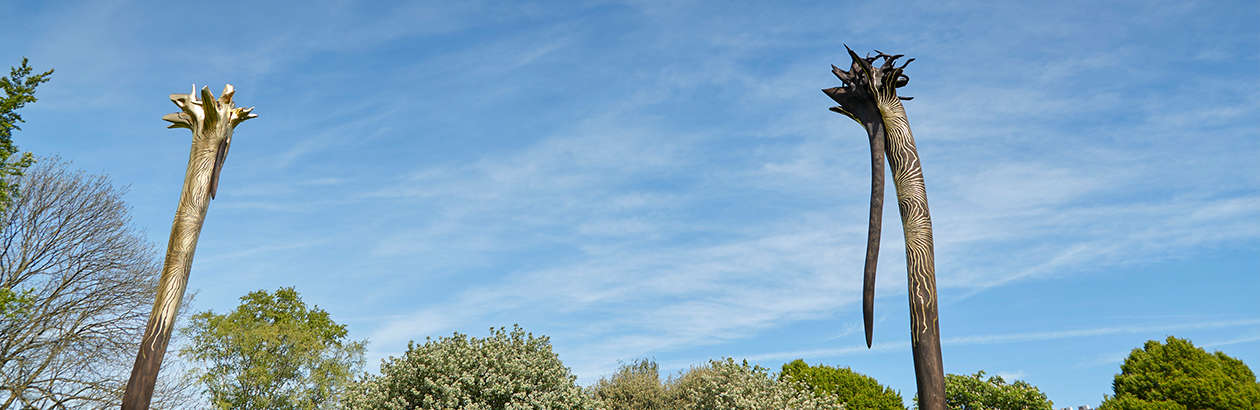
{"type": "Point", "coordinates": [663, 179]}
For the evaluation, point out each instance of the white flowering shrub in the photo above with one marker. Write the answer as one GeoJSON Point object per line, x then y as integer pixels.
{"type": "Point", "coordinates": [507, 370]}
{"type": "Point", "coordinates": [974, 392]}
{"type": "Point", "coordinates": [726, 385]}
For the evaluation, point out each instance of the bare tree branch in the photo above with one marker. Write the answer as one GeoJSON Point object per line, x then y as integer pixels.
{"type": "Point", "coordinates": [85, 278]}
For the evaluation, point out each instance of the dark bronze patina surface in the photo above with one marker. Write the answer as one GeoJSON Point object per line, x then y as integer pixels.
{"type": "Point", "coordinates": [869, 96]}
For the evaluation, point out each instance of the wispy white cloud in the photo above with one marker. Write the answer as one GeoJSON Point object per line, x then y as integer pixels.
{"type": "Point", "coordinates": [1064, 334]}
{"type": "Point", "coordinates": [667, 299]}
{"type": "Point", "coordinates": [1022, 338]}
{"type": "Point", "coordinates": [1111, 358]}
{"type": "Point", "coordinates": [1010, 376]}
{"type": "Point", "coordinates": [984, 207]}
{"type": "Point", "coordinates": [1244, 339]}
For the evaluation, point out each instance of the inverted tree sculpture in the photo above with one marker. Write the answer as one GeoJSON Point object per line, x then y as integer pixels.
{"type": "Point", "coordinates": [869, 96]}
{"type": "Point", "coordinates": [211, 121]}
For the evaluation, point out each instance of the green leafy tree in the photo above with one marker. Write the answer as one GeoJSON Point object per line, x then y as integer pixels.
{"type": "Point", "coordinates": [975, 393]}
{"type": "Point", "coordinates": [507, 370]}
{"type": "Point", "coordinates": [273, 353]}
{"type": "Point", "coordinates": [636, 386]}
{"type": "Point", "coordinates": [856, 390]}
{"type": "Point", "coordinates": [1178, 375]}
{"type": "Point", "coordinates": [19, 89]}
{"type": "Point", "coordinates": [726, 385]}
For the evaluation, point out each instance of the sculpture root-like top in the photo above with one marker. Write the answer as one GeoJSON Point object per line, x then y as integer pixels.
{"type": "Point", "coordinates": [209, 118]}
{"type": "Point", "coordinates": [867, 92]}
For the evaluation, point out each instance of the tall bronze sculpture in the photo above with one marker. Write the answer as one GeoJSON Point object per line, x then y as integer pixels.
{"type": "Point", "coordinates": [869, 96]}
{"type": "Point", "coordinates": [211, 121]}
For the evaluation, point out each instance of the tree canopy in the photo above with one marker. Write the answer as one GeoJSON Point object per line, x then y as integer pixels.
{"type": "Point", "coordinates": [272, 352]}
{"type": "Point", "coordinates": [19, 89]}
{"type": "Point", "coordinates": [856, 390]}
{"type": "Point", "coordinates": [1176, 375]}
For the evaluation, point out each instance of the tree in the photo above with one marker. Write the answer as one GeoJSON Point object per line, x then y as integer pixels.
{"type": "Point", "coordinates": [506, 370]}
{"type": "Point", "coordinates": [1178, 375]}
{"type": "Point", "coordinates": [272, 352]}
{"type": "Point", "coordinates": [635, 386]}
{"type": "Point", "coordinates": [856, 390]}
{"type": "Point", "coordinates": [81, 279]}
{"type": "Point", "coordinates": [19, 89]}
{"type": "Point", "coordinates": [975, 393]}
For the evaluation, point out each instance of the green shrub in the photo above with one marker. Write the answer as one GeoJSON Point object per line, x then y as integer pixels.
{"type": "Point", "coordinates": [1163, 374]}
{"type": "Point", "coordinates": [726, 385]}
{"type": "Point", "coordinates": [636, 386]}
{"type": "Point", "coordinates": [718, 385]}
{"type": "Point", "coordinates": [503, 371]}
{"type": "Point", "coordinates": [857, 391]}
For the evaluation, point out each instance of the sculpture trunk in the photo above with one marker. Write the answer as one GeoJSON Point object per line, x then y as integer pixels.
{"type": "Point", "coordinates": [212, 122]}
{"type": "Point", "coordinates": [916, 221]}
{"type": "Point", "coordinates": [869, 97]}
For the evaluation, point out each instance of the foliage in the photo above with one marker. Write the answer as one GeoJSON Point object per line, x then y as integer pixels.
{"type": "Point", "coordinates": [507, 370]}
{"type": "Point", "coordinates": [1178, 375]}
{"type": "Point", "coordinates": [13, 304]}
{"type": "Point", "coordinates": [19, 89]}
{"type": "Point", "coordinates": [1134, 403]}
{"type": "Point", "coordinates": [719, 384]}
{"type": "Point", "coordinates": [975, 393]}
{"type": "Point", "coordinates": [636, 386]}
{"type": "Point", "coordinates": [857, 391]}
{"type": "Point", "coordinates": [79, 282]}
{"type": "Point", "coordinates": [726, 385]}
{"type": "Point", "coordinates": [272, 352]}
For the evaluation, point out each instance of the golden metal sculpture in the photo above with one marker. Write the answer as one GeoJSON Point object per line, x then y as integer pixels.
{"type": "Point", "coordinates": [869, 96]}
{"type": "Point", "coordinates": [211, 121]}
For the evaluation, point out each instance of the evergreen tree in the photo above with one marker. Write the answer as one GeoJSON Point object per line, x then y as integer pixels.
{"type": "Point", "coordinates": [19, 89]}
{"type": "Point", "coordinates": [1176, 375]}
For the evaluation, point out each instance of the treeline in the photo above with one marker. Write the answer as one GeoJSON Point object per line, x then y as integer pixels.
{"type": "Point", "coordinates": [513, 369]}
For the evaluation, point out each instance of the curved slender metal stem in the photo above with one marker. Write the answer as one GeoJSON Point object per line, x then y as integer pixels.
{"type": "Point", "coordinates": [873, 230]}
